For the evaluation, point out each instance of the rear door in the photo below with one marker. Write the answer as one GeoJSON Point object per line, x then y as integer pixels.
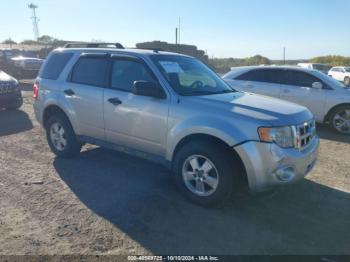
{"type": "Point", "coordinates": [297, 87]}
{"type": "Point", "coordinates": [84, 93]}
{"type": "Point", "coordinates": [264, 81]}
{"type": "Point", "coordinates": [134, 121]}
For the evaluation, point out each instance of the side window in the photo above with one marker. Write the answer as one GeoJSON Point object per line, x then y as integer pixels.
{"type": "Point", "coordinates": [55, 65]}
{"type": "Point", "coordinates": [273, 76]}
{"type": "Point", "coordinates": [301, 79]}
{"type": "Point", "coordinates": [126, 72]}
{"type": "Point", "coordinates": [263, 75]}
{"type": "Point", "coordinates": [90, 71]}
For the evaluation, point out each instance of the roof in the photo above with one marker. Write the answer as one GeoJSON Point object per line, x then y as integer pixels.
{"type": "Point", "coordinates": [143, 52]}
{"type": "Point", "coordinates": [23, 58]}
{"type": "Point", "coordinates": [243, 69]}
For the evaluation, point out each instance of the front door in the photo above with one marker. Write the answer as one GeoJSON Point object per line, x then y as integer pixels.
{"type": "Point", "coordinates": [134, 121]}
{"type": "Point", "coordinates": [297, 88]}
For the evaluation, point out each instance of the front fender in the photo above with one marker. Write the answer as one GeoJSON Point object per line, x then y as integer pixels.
{"type": "Point", "coordinates": [215, 127]}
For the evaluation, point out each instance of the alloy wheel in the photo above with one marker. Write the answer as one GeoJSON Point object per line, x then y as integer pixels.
{"type": "Point", "coordinates": [200, 175]}
{"type": "Point", "coordinates": [341, 121]}
{"type": "Point", "coordinates": [58, 136]}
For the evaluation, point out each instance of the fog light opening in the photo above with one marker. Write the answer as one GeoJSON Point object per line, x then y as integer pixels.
{"type": "Point", "coordinates": [285, 174]}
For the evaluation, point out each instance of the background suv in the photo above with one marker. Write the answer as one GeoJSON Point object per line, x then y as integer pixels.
{"type": "Point", "coordinates": [173, 109]}
{"type": "Point", "coordinates": [327, 99]}
{"type": "Point", "coordinates": [10, 92]}
{"type": "Point", "coordinates": [341, 74]}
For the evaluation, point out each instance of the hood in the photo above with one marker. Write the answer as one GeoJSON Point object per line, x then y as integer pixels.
{"type": "Point", "coordinates": [5, 77]}
{"type": "Point", "coordinates": [266, 110]}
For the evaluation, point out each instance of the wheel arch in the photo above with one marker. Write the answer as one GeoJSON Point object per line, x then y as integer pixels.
{"type": "Point", "coordinates": [55, 109]}
{"type": "Point", "coordinates": [210, 138]}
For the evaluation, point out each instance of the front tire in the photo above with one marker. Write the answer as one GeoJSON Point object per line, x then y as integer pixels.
{"type": "Point", "coordinates": [204, 173]}
{"type": "Point", "coordinates": [61, 137]}
{"type": "Point", "coordinates": [340, 120]}
{"type": "Point", "coordinates": [347, 81]}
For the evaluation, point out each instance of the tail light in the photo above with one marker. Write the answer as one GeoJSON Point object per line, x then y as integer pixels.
{"type": "Point", "coordinates": [35, 91]}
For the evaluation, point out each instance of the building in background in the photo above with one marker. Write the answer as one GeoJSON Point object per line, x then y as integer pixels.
{"type": "Point", "coordinates": [190, 50]}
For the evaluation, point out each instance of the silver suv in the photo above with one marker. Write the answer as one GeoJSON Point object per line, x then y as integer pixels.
{"type": "Point", "coordinates": [173, 109]}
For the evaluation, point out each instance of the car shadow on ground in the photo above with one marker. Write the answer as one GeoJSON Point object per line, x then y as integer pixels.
{"type": "Point", "coordinates": [13, 122]}
{"type": "Point", "coordinates": [325, 132]}
{"type": "Point", "coordinates": [139, 198]}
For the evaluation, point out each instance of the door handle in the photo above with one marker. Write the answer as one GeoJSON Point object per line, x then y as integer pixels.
{"type": "Point", "coordinates": [286, 91]}
{"type": "Point", "coordinates": [69, 92]}
{"type": "Point", "coordinates": [115, 101]}
{"type": "Point", "coordinates": [249, 86]}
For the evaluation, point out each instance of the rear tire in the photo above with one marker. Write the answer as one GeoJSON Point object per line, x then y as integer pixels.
{"type": "Point", "coordinates": [219, 182]}
{"type": "Point", "coordinates": [61, 137]}
{"type": "Point", "coordinates": [340, 119]}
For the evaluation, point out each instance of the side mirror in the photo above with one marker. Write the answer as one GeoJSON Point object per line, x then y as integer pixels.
{"type": "Point", "coordinates": [146, 88]}
{"type": "Point", "coordinates": [317, 85]}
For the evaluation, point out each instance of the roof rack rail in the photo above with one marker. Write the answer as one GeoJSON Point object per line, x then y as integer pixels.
{"type": "Point", "coordinates": [94, 45]}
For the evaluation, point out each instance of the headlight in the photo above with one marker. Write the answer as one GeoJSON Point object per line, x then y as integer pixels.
{"type": "Point", "coordinates": [281, 136]}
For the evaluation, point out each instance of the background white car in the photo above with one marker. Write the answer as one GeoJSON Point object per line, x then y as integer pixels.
{"type": "Point", "coordinates": [319, 67]}
{"type": "Point", "coordinates": [341, 73]}
{"type": "Point", "coordinates": [326, 98]}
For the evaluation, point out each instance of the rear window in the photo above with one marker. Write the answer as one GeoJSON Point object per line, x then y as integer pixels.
{"type": "Point", "coordinates": [55, 65]}
{"type": "Point", "coordinates": [90, 71]}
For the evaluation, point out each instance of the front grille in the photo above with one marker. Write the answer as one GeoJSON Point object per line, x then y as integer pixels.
{"type": "Point", "coordinates": [305, 133]}
{"type": "Point", "coordinates": [6, 88]}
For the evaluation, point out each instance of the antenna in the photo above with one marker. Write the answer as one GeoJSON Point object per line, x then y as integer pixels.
{"type": "Point", "coordinates": [35, 21]}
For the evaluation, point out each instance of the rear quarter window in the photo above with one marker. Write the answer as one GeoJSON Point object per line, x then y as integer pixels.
{"type": "Point", "coordinates": [54, 66]}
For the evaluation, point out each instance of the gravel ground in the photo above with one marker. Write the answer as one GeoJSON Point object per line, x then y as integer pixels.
{"type": "Point", "coordinates": [104, 202]}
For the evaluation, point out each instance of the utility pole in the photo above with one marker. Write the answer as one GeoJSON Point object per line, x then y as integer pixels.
{"type": "Point", "coordinates": [179, 30]}
{"type": "Point", "coordinates": [35, 20]}
{"type": "Point", "coordinates": [176, 39]}
{"type": "Point", "coordinates": [284, 55]}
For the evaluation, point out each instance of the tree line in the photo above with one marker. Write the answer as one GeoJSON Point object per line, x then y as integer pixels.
{"type": "Point", "coordinates": [220, 65]}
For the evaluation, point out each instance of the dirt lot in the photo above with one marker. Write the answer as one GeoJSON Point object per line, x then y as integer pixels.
{"type": "Point", "coordinates": [105, 202]}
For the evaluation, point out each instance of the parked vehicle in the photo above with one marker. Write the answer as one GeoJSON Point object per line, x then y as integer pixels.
{"type": "Point", "coordinates": [313, 66]}
{"type": "Point", "coordinates": [10, 93]}
{"type": "Point", "coordinates": [24, 67]}
{"type": "Point", "coordinates": [341, 73]}
{"type": "Point", "coordinates": [173, 109]}
{"type": "Point", "coordinates": [327, 99]}
{"type": "Point", "coordinates": [19, 64]}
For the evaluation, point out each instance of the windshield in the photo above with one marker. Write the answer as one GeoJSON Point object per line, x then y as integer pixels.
{"type": "Point", "coordinates": [347, 69]}
{"type": "Point", "coordinates": [190, 77]}
{"type": "Point", "coordinates": [331, 81]}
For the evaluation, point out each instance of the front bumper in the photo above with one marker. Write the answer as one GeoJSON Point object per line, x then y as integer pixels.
{"type": "Point", "coordinates": [268, 165]}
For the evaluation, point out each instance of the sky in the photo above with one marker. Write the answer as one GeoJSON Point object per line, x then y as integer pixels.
{"type": "Point", "coordinates": [223, 28]}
